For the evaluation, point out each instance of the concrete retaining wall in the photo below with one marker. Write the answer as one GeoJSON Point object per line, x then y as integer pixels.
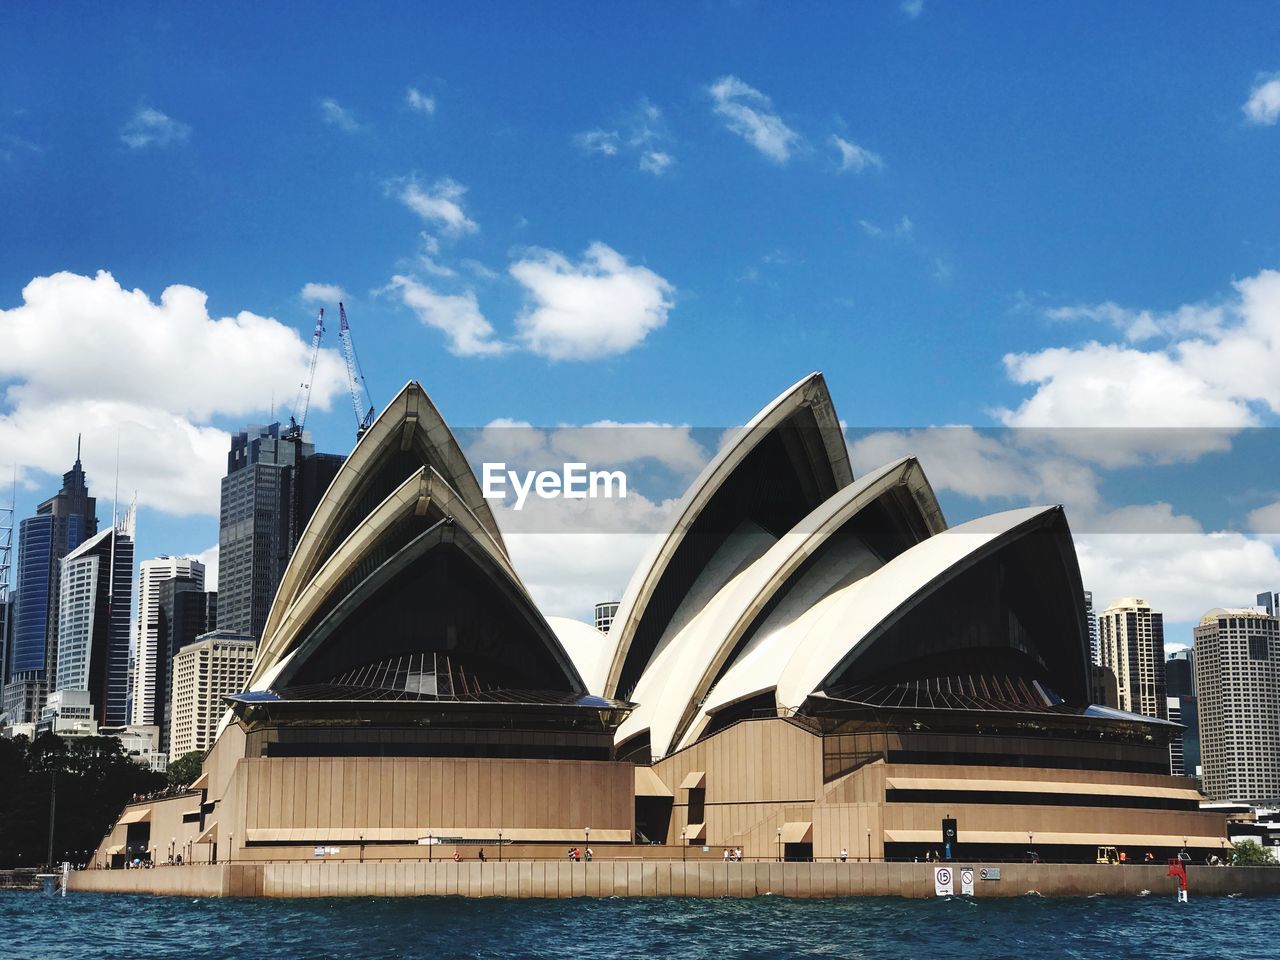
{"type": "Point", "coordinates": [552, 879]}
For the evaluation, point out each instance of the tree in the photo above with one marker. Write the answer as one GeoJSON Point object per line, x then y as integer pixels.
{"type": "Point", "coordinates": [95, 779]}
{"type": "Point", "coordinates": [1250, 853]}
{"type": "Point", "coordinates": [185, 769]}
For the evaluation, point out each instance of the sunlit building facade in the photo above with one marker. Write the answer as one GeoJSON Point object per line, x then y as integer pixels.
{"type": "Point", "coordinates": [807, 661]}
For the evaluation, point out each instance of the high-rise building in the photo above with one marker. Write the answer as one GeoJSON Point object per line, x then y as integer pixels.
{"type": "Point", "coordinates": [185, 613]}
{"type": "Point", "coordinates": [272, 487]}
{"type": "Point", "coordinates": [1091, 617]}
{"type": "Point", "coordinates": [1270, 602]}
{"type": "Point", "coordinates": [151, 666]}
{"type": "Point", "coordinates": [605, 613]}
{"type": "Point", "coordinates": [6, 623]}
{"type": "Point", "coordinates": [1237, 678]}
{"type": "Point", "coordinates": [1131, 643]}
{"type": "Point", "coordinates": [1102, 686]}
{"type": "Point", "coordinates": [216, 665]}
{"type": "Point", "coordinates": [60, 525]}
{"type": "Point", "coordinates": [95, 595]}
{"type": "Point", "coordinates": [1180, 690]}
{"type": "Point", "coordinates": [6, 602]}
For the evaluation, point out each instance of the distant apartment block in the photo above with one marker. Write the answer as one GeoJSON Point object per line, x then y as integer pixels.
{"type": "Point", "coordinates": [151, 666]}
{"type": "Point", "coordinates": [1131, 644]}
{"type": "Point", "coordinates": [605, 612]}
{"type": "Point", "coordinates": [214, 666]}
{"type": "Point", "coordinates": [1237, 678]}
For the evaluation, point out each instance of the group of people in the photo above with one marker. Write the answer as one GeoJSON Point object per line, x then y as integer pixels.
{"type": "Point", "coordinates": [732, 854]}
{"type": "Point", "coordinates": [576, 854]}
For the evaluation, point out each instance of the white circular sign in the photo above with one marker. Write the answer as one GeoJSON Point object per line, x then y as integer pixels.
{"type": "Point", "coordinates": [944, 876]}
{"type": "Point", "coordinates": [966, 876]}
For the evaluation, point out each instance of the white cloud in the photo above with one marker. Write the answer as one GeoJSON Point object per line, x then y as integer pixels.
{"type": "Point", "coordinates": [749, 113]}
{"type": "Point", "coordinates": [912, 8]}
{"type": "Point", "coordinates": [149, 127]}
{"type": "Point", "coordinates": [604, 443]}
{"type": "Point", "coordinates": [641, 131]}
{"type": "Point", "coordinates": [1139, 325]}
{"type": "Point", "coordinates": [598, 307]}
{"type": "Point", "coordinates": [1265, 519]}
{"type": "Point", "coordinates": [338, 116]}
{"type": "Point", "coordinates": [1263, 105]}
{"type": "Point", "coordinates": [854, 157]}
{"type": "Point", "coordinates": [323, 293]}
{"type": "Point", "coordinates": [479, 269]}
{"type": "Point", "coordinates": [420, 102]}
{"type": "Point", "coordinates": [656, 162]}
{"type": "Point", "coordinates": [65, 376]}
{"type": "Point", "coordinates": [1182, 573]}
{"type": "Point", "coordinates": [606, 142]}
{"type": "Point", "coordinates": [457, 316]}
{"type": "Point", "coordinates": [572, 554]}
{"type": "Point", "coordinates": [439, 204]}
{"type": "Point", "coordinates": [1216, 370]}
{"type": "Point", "coordinates": [14, 147]}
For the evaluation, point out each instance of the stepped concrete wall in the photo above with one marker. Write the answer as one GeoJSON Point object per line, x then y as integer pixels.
{"type": "Point", "coordinates": [555, 879]}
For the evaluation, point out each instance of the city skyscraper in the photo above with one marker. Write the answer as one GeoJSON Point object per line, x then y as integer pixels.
{"type": "Point", "coordinates": [59, 526]}
{"type": "Point", "coordinates": [1091, 617]}
{"type": "Point", "coordinates": [1237, 678]}
{"type": "Point", "coordinates": [1180, 689]}
{"type": "Point", "coordinates": [95, 596]}
{"type": "Point", "coordinates": [1131, 643]}
{"type": "Point", "coordinates": [1270, 602]}
{"type": "Point", "coordinates": [151, 665]}
{"type": "Point", "coordinates": [6, 565]}
{"type": "Point", "coordinates": [272, 487]}
{"type": "Point", "coordinates": [184, 613]}
{"type": "Point", "coordinates": [216, 665]}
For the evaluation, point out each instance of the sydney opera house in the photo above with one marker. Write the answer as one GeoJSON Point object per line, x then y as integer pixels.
{"type": "Point", "coordinates": [808, 663]}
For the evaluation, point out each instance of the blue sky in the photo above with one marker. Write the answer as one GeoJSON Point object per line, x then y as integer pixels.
{"type": "Point", "coordinates": [580, 212]}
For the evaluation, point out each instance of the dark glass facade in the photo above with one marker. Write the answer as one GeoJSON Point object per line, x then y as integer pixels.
{"type": "Point", "coordinates": [272, 487]}
{"type": "Point", "coordinates": [185, 612]}
{"type": "Point", "coordinates": [61, 524]}
{"type": "Point", "coordinates": [35, 585]}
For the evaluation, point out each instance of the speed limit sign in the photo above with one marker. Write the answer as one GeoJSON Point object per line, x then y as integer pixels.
{"type": "Point", "coordinates": [942, 882]}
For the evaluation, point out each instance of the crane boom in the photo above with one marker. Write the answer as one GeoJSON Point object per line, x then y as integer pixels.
{"type": "Point", "coordinates": [303, 401]}
{"type": "Point", "coordinates": [355, 376]}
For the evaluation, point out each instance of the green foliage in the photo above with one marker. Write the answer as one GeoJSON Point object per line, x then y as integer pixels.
{"type": "Point", "coordinates": [95, 778]}
{"type": "Point", "coordinates": [185, 769]}
{"type": "Point", "coordinates": [1246, 853]}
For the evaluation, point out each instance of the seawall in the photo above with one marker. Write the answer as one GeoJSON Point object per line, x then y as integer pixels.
{"type": "Point", "coordinates": [604, 878]}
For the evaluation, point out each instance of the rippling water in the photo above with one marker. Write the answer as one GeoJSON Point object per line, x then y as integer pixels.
{"type": "Point", "coordinates": [36, 927]}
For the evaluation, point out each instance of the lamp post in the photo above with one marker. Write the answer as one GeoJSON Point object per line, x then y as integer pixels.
{"type": "Point", "coordinates": [173, 847]}
{"type": "Point", "coordinates": [779, 844]}
{"type": "Point", "coordinates": [684, 849]}
{"type": "Point", "coordinates": [586, 843]}
{"type": "Point", "coordinates": [430, 844]}
{"type": "Point", "coordinates": [499, 846]}
{"type": "Point", "coordinates": [868, 844]}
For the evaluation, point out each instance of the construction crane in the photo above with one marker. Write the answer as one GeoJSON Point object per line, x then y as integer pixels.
{"type": "Point", "coordinates": [298, 420]}
{"type": "Point", "coordinates": [355, 376]}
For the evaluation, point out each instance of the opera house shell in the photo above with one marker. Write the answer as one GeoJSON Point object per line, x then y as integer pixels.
{"type": "Point", "coordinates": [807, 662]}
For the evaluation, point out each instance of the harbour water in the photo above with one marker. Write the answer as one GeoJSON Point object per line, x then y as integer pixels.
{"type": "Point", "coordinates": [81, 926]}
